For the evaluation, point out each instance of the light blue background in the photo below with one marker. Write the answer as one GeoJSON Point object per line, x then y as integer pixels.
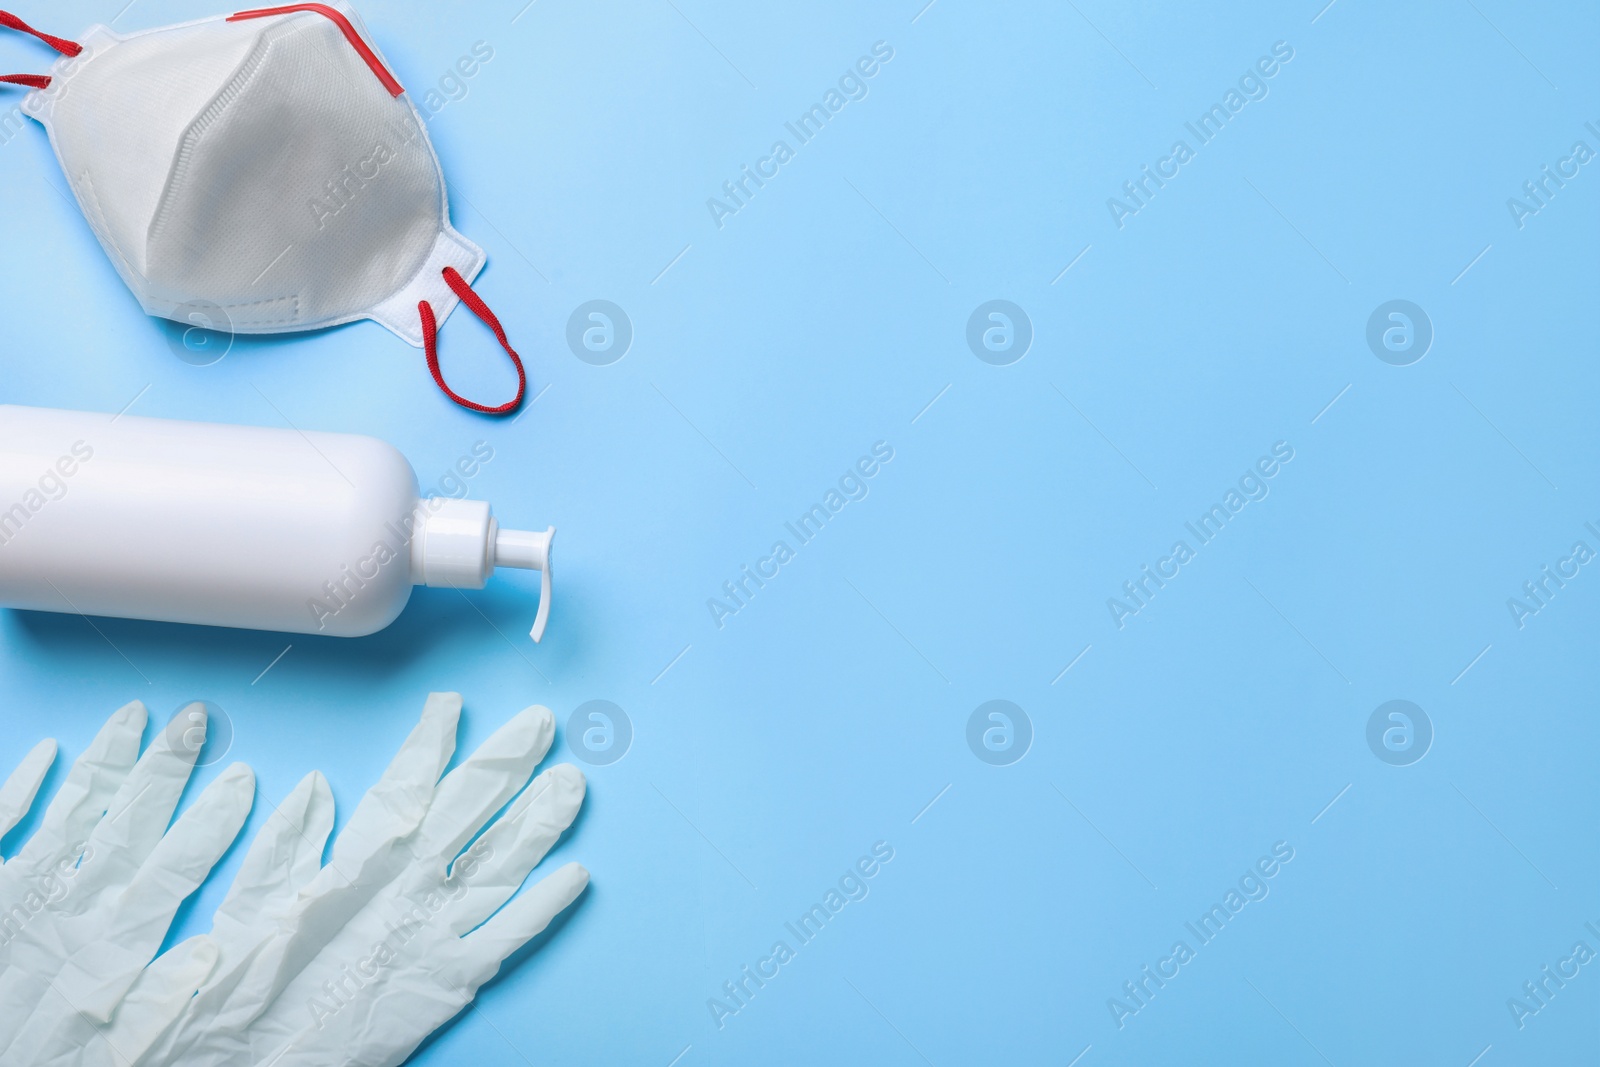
{"type": "Point", "coordinates": [824, 717]}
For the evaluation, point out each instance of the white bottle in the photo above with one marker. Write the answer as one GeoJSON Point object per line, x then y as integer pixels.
{"type": "Point", "coordinates": [266, 529]}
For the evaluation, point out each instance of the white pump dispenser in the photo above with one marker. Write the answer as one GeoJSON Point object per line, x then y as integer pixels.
{"type": "Point", "coordinates": [265, 529]}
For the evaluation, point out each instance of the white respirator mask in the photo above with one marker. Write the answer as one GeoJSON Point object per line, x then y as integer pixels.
{"type": "Point", "coordinates": [261, 172]}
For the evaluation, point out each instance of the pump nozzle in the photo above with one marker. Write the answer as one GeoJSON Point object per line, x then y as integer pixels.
{"type": "Point", "coordinates": [459, 544]}
{"type": "Point", "coordinates": [529, 551]}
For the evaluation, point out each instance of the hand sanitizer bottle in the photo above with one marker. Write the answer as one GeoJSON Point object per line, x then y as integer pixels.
{"type": "Point", "coordinates": [265, 529]}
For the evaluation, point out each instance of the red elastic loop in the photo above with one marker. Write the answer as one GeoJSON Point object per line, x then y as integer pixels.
{"type": "Point", "coordinates": [60, 44]}
{"type": "Point", "coordinates": [362, 48]}
{"type": "Point", "coordinates": [32, 81]}
{"type": "Point", "coordinates": [430, 344]}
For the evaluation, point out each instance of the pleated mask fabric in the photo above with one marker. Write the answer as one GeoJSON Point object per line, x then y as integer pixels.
{"type": "Point", "coordinates": [261, 172]}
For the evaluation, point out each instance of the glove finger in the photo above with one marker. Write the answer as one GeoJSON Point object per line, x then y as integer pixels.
{"type": "Point", "coordinates": [142, 808]}
{"type": "Point", "coordinates": [159, 996]}
{"type": "Point", "coordinates": [17, 795]}
{"type": "Point", "coordinates": [285, 855]}
{"type": "Point", "coordinates": [95, 777]}
{"type": "Point", "coordinates": [483, 783]}
{"type": "Point", "coordinates": [99, 974]}
{"type": "Point", "coordinates": [498, 862]}
{"type": "Point", "coordinates": [363, 861]}
{"type": "Point", "coordinates": [90, 983]}
{"type": "Point", "coordinates": [394, 807]}
{"type": "Point", "coordinates": [517, 923]}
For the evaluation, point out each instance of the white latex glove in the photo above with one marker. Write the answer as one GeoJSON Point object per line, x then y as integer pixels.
{"type": "Point", "coordinates": [94, 911]}
{"type": "Point", "coordinates": [356, 963]}
{"type": "Point", "coordinates": [287, 851]}
{"type": "Point", "coordinates": [37, 876]}
{"type": "Point", "coordinates": [16, 796]}
{"type": "Point", "coordinates": [156, 998]}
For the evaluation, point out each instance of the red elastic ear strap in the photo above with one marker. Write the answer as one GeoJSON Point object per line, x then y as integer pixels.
{"type": "Point", "coordinates": [60, 44]}
{"type": "Point", "coordinates": [430, 344]}
{"type": "Point", "coordinates": [32, 81]}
